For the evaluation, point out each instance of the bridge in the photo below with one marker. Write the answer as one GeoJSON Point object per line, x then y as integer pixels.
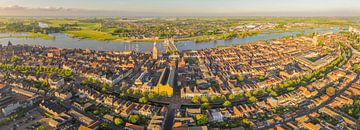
{"type": "Point", "coordinates": [169, 43]}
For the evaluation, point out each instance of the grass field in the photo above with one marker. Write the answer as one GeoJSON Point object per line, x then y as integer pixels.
{"type": "Point", "coordinates": [33, 35]}
{"type": "Point", "coordinates": [92, 35]}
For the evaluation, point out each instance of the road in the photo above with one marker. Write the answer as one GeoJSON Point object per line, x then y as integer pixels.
{"type": "Point", "coordinates": [175, 103]}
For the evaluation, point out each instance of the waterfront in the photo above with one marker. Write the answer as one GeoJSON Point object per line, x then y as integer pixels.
{"type": "Point", "coordinates": [64, 41]}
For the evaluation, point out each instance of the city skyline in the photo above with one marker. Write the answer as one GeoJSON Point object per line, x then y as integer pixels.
{"type": "Point", "coordinates": [179, 8]}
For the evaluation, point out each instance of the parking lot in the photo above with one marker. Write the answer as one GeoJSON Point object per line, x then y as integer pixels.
{"type": "Point", "coordinates": [31, 120]}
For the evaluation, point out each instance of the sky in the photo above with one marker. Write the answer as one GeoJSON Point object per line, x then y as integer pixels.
{"type": "Point", "coordinates": [179, 7]}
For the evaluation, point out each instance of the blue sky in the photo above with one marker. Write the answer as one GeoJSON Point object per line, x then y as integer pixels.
{"type": "Point", "coordinates": [206, 7]}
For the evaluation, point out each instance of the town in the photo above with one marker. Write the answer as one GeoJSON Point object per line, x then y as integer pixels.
{"type": "Point", "coordinates": [300, 82]}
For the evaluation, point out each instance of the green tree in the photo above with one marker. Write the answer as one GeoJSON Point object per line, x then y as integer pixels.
{"type": "Point", "coordinates": [118, 121]}
{"type": "Point", "coordinates": [261, 77]}
{"type": "Point", "coordinates": [240, 78]}
{"type": "Point", "coordinates": [355, 67]}
{"type": "Point", "coordinates": [253, 99]}
{"type": "Point", "coordinates": [41, 128]}
{"type": "Point", "coordinates": [205, 105]}
{"type": "Point", "coordinates": [213, 98]}
{"type": "Point", "coordinates": [151, 95]}
{"type": "Point", "coordinates": [273, 94]}
{"type": "Point", "coordinates": [14, 59]}
{"type": "Point", "coordinates": [245, 121]}
{"type": "Point", "coordinates": [239, 95]}
{"type": "Point", "coordinates": [231, 96]}
{"type": "Point", "coordinates": [103, 89]}
{"type": "Point", "coordinates": [201, 119]}
{"type": "Point", "coordinates": [248, 94]}
{"type": "Point", "coordinates": [143, 100]}
{"type": "Point", "coordinates": [134, 118]}
{"type": "Point", "coordinates": [204, 99]}
{"type": "Point", "coordinates": [255, 93]}
{"type": "Point", "coordinates": [290, 88]}
{"type": "Point", "coordinates": [195, 99]}
{"type": "Point", "coordinates": [227, 104]}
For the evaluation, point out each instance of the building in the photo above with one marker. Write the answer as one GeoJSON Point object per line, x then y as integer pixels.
{"type": "Point", "coordinates": [52, 107]}
{"type": "Point", "coordinates": [155, 52]}
{"type": "Point", "coordinates": [63, 96]}
{"type": "Point", "coordinates": [22, 92]}
{"type": "Point", "coordinates": [156, 123]}
{"type": "Point", "coordinates": [11, 108]}
{"type": "Point", "coordinates": [166, 83]}
{"type": "Point", "coordinates": [56, 83]}
{"type": "Point", "coordinates": [82, 118]}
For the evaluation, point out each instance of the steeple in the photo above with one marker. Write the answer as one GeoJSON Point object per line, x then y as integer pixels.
{"type": "Point", "coordinates": [155, 52]}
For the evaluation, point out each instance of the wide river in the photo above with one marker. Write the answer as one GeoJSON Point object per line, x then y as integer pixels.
{"type": "Point", "coordinates": [64, 41]}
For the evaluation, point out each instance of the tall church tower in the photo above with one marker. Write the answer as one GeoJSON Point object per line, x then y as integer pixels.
{"type": "Point", "coordinates": [155, 52]}
{"type": "Point", "coordinates": [315, 40]}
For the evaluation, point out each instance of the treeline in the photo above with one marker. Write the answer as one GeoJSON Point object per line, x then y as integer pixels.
{"type": "Point", "coordinates": [32, 27]}
{"type": "Point", "coordinates": [37, 69]}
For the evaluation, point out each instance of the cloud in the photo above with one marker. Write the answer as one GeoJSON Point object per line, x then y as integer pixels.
{"type": "Point", "coordinates": [16, 10]}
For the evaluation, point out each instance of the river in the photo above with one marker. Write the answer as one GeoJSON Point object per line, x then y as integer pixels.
{"type": "Point", "coordinates": [64, 41]}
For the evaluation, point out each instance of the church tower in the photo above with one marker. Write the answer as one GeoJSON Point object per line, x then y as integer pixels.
{"type": "Point", "coordinates": [155, 52]}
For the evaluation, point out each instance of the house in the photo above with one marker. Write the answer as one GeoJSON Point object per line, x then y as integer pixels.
{"type": "Point", "coordinates": [63, 96]}
{"type": "Point", "coordinates": [216, 115]}
{"type": "Point", "coordinates": [52, 107]}
{"type": "Point", "coordinates": [80, 117]}
{"type": "Point", "coordinates": [22, 92]}
{"type": "Point", "coordinates": [130, 126]}
{"type": "Point", "coordinates": [56, 82]}
{"type": "Point", "coordinates": [156, 123]}
{"type": "Point", "coordinates": [193, 111]}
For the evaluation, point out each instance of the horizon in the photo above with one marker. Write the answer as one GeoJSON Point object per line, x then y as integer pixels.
{"type": "Point", "coordinates": [209, 8]}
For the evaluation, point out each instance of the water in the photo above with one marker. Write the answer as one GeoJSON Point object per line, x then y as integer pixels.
{"type": "Point", "coordinates": [64, 41]}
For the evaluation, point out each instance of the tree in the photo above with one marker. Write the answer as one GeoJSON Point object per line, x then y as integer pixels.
{"type": "Point", "coordinates": [255, 92]}
{"type": "Point", "coordinates": [261, 77]}
{"type": "Point", "coordinates": [134, 118]}
{"type": "Point", "coordinates": [118, 121]}
{"type": "Point", "coordinates": [205, 105]}
{"type": "Point", "coordinates": [128, 91]}
{"type": "Point", "coordinates": [246, 121]}
{"type": "Point", "coordinates": [14, 59]}
{"type": "Point", "coordinates": [195, 99]}
{"type": "Point", "coordinates": [103, 89]}
{"type": "Point", "coordinates": [96, 112]}
{"type": "Point", "coordinates": [330, 91]}
{"type": "Point", "coordinates": [223, 97]}
{"type": "Point", "coordinates": [41, 128]}
{"type": "Point", "coordinates": [239, 95]}
{"type": "Point", "coordinates": [248, 94]}
{"type": "Point", "coordinates": [204, 99]}
{"type": "Point", "coordinates": [122, 95]}
{"type": "Point", "coordinates": [240, 78]}
{"type": "Point", "coordinates": [231, 96]}
{"type": "Point", "coordinates": [201, 119]}
{"type": "Point", "coordinates": [151, 96]}
{"type": "Point", "coordinates": [290, 88]}
{"type": "Point", "coordinates": [227, 104]}
{"type": "Point", "coordinates": [252, 99]}
{"type": "Point", "coordinates": [273, 94]}
{"type": "Point", "coordinates": [135, 92]}
{"type": "Point", "coordinates": [213, 98]}
{"type": "Point", "coordinates": [121, 88]}
{"type": "Point", "coordinates": [356, 67]}
{"type": "Point", "coordinates": [143, 100]}
{"type": "Point", "coordinates": [262, 91]}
